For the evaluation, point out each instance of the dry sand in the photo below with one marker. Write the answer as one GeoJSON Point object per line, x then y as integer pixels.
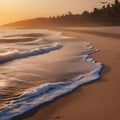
{"type": "Point", "coordinates": [99, 100]}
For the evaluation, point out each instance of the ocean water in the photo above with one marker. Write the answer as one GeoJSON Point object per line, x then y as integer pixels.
{"type": "Point", "coordinates": [39, 65]}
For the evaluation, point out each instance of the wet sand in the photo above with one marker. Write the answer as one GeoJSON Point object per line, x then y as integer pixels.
{"type": "Point", "coordinates": [99, 100]}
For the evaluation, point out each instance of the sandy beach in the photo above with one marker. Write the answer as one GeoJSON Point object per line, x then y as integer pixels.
{"type": "Point", "coordinates": [99, 100]}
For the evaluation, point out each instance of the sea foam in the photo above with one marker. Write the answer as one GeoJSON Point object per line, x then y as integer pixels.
{"type": "Point", "coordinates": [39, 95]}
{"type": "Point", "coordinates": [17, 55]}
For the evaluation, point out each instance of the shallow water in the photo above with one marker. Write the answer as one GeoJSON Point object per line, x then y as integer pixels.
{"type": "Point", "coordinates": [37, 66]}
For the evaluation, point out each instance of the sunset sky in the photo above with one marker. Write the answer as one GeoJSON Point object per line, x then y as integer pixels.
{"type": "Point", "coordinates": [14, 10]}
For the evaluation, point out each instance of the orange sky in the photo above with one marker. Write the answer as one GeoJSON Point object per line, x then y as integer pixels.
{"type": "Point", "coordinates": [14, 10]}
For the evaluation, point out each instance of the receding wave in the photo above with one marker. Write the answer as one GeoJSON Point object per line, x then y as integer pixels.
{"type": "Point", "coordinates": [47, 92]}
{"type": "Point", "coordinates": [17, 55]}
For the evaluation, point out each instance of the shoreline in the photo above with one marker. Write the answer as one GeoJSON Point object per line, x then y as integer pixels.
{"type": "Point", "coordinates": [91, 101]}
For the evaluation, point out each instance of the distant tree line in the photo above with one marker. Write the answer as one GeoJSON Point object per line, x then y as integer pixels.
{"type": "Point", "coordinates": [109, 14]}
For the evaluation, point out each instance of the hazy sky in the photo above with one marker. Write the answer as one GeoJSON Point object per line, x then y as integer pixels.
{"type": "Point", "coordinates": [13, 10]}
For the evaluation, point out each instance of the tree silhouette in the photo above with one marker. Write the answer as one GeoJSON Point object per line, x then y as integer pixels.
{"type": "Point", "coordinates": [116, 2]}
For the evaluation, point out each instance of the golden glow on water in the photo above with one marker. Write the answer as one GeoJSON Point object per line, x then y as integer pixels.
{"type": "Point", "coordinates": [12, 10]}
{"type": "Point", "coordinates": [3, 83]}
{"type": "Point", "coordinates": [3, 105]}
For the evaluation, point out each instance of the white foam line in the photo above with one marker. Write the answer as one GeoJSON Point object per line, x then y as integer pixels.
{"type": "Point", "coordinates": [17, 55]}
{"type": "Point", "coordinates": [47, 92]}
